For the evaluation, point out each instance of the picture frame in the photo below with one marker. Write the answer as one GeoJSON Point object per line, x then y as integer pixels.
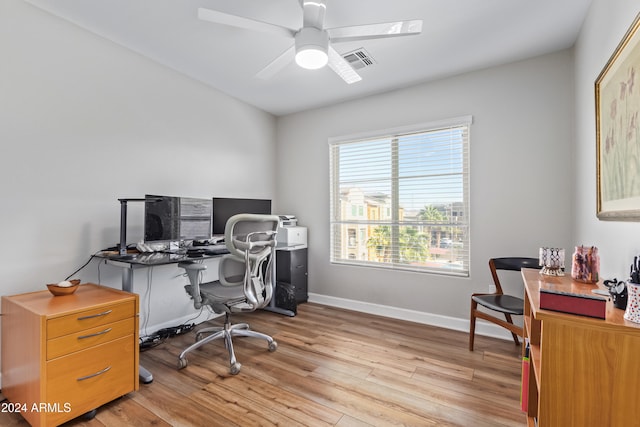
{"type": "Point", "coordinates": [618, 132]}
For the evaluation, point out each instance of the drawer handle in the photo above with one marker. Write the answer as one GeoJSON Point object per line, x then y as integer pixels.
{"type": "Point", "coordinates": [86, 377]}
{"type": "Point", "coordinates": [95, 335]}
{"type": "Point", "coordinates": [104, 313]}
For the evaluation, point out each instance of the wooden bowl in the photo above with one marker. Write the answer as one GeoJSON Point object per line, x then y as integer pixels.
{"type": "Point", "coordinates": [64, 290]}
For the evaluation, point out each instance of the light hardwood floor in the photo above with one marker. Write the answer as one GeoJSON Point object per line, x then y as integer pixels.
{"type": "Point", "coordinates": [333, 367]}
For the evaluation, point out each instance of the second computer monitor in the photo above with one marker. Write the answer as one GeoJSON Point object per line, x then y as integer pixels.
{"type": "Point", "coordinates": [224, 208]}
{"type": "Point", "coordinates": [195, 218]}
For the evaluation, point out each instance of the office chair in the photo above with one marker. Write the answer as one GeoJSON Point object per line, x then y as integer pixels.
{"type": "Point", "coordinates": [246, 282]}
{"type": "Point", "coordinates": [508, 305]}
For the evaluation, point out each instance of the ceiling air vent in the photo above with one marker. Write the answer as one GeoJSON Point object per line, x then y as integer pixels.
{"type": "Point", "coordinates": [358, 59]}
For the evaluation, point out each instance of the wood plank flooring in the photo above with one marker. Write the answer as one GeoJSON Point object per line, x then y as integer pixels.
{"type": "Point", "coordinates": [333, 367]}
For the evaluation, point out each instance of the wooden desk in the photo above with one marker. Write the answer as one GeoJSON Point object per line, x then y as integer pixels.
{"type": "Point", "coordinates": [583, 371]}
{"type": "Point", "coordinates": [67, 355]}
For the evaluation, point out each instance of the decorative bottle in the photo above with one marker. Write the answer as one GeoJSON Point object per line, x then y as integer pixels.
{"type": "Point", "coordinates": [585, 265]}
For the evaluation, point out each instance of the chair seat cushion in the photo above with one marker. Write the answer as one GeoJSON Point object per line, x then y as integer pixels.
{"type": "Point", "coordinates": [216, 292]}
{"type": "Point", "coordinates": [502, 303]}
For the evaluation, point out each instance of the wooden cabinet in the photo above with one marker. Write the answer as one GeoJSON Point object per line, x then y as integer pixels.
{"type": "Point", "coordinates": [583, 371]}
{"type": "Point", "coordinates": [67, 355]}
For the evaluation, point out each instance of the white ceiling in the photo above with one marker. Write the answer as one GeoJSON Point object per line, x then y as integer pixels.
{"type": "Point", "coordinates": [458, 36]}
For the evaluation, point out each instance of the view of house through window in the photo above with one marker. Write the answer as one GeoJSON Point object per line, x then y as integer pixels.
{"type": "Point", "coordinates": [401, 199]}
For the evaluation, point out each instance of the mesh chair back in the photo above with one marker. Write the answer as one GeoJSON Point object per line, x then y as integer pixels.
{"type": "Point", "coordinates": [251, 240]}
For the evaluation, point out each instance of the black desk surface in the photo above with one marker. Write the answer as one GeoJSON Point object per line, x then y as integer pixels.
{"type": "Point", "coordinates": [154, 258]}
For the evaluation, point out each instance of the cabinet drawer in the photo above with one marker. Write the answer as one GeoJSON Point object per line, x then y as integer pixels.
{"type": "Point", "coordinates": [83, 320]}
{"type": "Point", "coordinates": [77, 341]}
{"type": "Point", "coordinates": [92, 377]}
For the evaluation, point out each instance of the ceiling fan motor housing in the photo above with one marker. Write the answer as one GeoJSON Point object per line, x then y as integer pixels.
{"type": "Point", "coordinates": [312, 46]}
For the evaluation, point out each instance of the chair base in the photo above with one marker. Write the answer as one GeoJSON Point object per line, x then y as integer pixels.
{"type": "Point", "coordinates": [226, 333]}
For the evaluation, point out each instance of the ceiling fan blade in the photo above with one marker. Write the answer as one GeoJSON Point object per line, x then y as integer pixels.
{"type": "Point", "coordinates": [277, 64]}
{"type": "Point", "coordinates": [342, 67]}
{"type": "Point", "coordinates": [241, 22]}
{"type": "Point", "coordinates": [313, 13]}
{"type": "Point", "coordinates": [375, 31]}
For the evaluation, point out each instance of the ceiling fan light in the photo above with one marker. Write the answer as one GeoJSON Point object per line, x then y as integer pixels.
{"type": "Point", "coordinates": [312, 48]}
{"type": "Point", "coordinates": [312, 58]}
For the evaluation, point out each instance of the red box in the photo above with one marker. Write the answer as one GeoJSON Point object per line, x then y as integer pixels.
{"type": "Point", "coordinates": [584, 305]}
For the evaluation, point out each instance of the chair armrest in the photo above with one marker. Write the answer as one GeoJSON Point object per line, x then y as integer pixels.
{"type": "Point", "coordinates": [192, 266]}
{"type": "Point", "coordinates": [194, 272]}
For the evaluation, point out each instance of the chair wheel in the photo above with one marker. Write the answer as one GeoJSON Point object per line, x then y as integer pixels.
{"type": "Point", "coordinates": [90, 415]}
{"type": "Point", "coordinates": [199, 336]}
{"type": "Point", "coordinates": [235, 368]}
{"type": "Point", "coordinates": [182, 363]}
{"type": "Point", "coordinates": [273, 346]}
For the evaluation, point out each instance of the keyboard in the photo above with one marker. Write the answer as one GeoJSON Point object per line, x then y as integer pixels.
{"type": "Point", "coordinates": [220, 251]}
{"type": "Point", "coordinates": [213, 247]}
{"type": "Point", "coordinates": [208, 250]}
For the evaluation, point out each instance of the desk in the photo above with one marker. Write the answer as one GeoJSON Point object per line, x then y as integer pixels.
{"type": "Point", "coordinates": [583, 371]}
{"type": "Point", "coordinates": [130, 262]}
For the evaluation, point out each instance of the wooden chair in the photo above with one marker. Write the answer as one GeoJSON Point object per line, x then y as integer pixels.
{"type": "Point", "coordinates": [508, 305]}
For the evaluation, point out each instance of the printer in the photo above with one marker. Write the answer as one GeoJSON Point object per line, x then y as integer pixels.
{"type": "Point", "coordinates": [288, 220]}
{"type": "Point", "coordinates": [290, 234]}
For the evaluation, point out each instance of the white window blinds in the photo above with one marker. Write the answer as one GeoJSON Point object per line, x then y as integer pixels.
{"type": "Point", "coordinates": [400, 199]}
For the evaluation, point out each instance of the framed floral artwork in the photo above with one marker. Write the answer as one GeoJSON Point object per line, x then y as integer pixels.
{"type": "Point", "coordinates": [617, 136]}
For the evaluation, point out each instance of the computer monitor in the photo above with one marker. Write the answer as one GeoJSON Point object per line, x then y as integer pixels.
{"type": "Point", "coordinates": [225, 208]}
{"type": "Point", "coordinates": [161, 218]}
{"type": "Point", "coordinates": [195, 218]}
{"type": "Point", "coordinates": [172, 219]}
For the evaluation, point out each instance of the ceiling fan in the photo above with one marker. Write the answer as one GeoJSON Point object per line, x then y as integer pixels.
{"type": "Point", "coordinates": [312, 48]}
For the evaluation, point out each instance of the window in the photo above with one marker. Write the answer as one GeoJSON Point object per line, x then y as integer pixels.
{"type": "Point", "coordinates": [412, 189]}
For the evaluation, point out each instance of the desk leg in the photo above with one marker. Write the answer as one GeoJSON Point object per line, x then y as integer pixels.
{"type": "Point", "coordinates": [144, 375]}
{"type": "Point", "coordinates": [127, 285]}
{"type": "Point", "coordinates": [279, 311]}
{"type": "Point", "coordinates": [127, 280]}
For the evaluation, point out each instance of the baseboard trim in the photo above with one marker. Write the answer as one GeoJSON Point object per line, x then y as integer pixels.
{"type": "Point", "coordinates": [447, 322]}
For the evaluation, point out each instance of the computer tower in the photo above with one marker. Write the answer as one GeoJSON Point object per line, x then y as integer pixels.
{"type": "Point", "coordinates": [291, 267]}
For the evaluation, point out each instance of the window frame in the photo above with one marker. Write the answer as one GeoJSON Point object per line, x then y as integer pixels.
{"type": "Point", "coordinates": [335, 219]}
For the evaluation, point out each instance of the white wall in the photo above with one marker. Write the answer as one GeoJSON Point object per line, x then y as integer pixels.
{"type": "Point", "coordinates": [604, 28]}
{"type": "Point", "coordinates": [84, 122]}
{"type": "Point", "coordinates": [520, 180]}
